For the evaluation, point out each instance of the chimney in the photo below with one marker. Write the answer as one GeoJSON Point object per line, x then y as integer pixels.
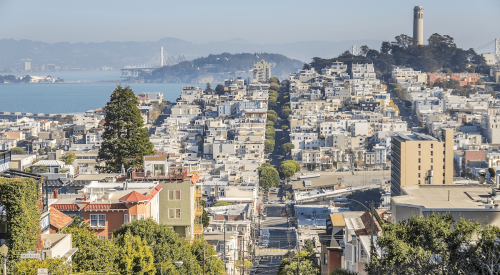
{"type": "Point", "coordinates": [55, 194]}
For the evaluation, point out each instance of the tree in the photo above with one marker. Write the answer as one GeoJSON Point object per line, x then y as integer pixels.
{"type": "Point", "coordinates": [288, 168]}
{"type": "Point", "coordinates": [209, 89]}
{"type": "Point", "coordinates": [269, 123]}
{"type": "Point", "coordinates": [205, 220]}
{"type": "Point", "coordinates": [306, 266]}
{"type": "Point", "coordinates": [270, 132]}
{"type": "Point", "coordinates": [286, 112]}
{"type": "Point", "coordinates": [125, 140]}
{"type": "Point", "coordinates": [268, 176]}
{"type": "Point", "coordinates": [272, 100]}
{"type": "Point", "coordinates": [213, 265]}
{"type": "Point", "coordinates": [68, 158]}
{"type": "Point", "coordinates": [135, 256]}
{"type": "Point", "coordinates": [284, 127]}
{"type": "Point", "coordinates": [221, 204]}
{"type": "Point", "coordinates": [168, 247]}
{"type": "Point", "coordinates": [272, 112]}
{"type": "Point", "coordinates": [220, 89]}
{"type": "Point", "coordinates": [273, 93]}
{"type": "Point", "coordinates": [93, 254]}
{"type": "Point", "coordinates": [274, 87]}
{"type": "Point", "coordinates": [274, 79]}
{"type": "Point", "coordinates": [287, 147]}
{"type": "Point", "coordinates": [17, 151]}
{"type": "Point", "coordinates": [415, 245]}
{"type": "Point", "coordinates": [269, 145]}
{"type": "Point", "coordinates": [492, 172]}
{"type": "Point", "coordinates": [55, 266]}
{"type": "Point", "coordinates": [272, 117]}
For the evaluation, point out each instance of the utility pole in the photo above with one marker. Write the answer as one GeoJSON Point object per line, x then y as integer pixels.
{"type": "Point", "coordinates": [224, 228]}
{"type": "Point", "coordinates": [204, 258]}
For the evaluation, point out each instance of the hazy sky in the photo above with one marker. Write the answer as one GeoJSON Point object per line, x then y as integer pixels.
{"type": "Point", "coordinates": [471, 23]}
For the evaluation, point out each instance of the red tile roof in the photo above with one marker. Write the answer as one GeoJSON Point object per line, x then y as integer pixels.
{"type": "Point", "coordinates": [58, 219]}
{"type": "Point", "coordinates": [194, 178]}
{"type": "Point", "coordinates": [142, 98]}
{"type": "Point", "coordinates": [156, 190]}
{"type": "Point", "coordinates": [106, 206]}
{"type": "Point", "coordinates": [67, 206]}
{"type": "Point", "coordinates": [134, 196]}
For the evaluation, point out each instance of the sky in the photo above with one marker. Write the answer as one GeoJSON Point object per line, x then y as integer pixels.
{"type": "Point", "coordinates": [471, 23]}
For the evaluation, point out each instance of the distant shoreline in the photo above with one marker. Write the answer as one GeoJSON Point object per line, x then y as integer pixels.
{"type": "Point", "coordinates": [86, 82]}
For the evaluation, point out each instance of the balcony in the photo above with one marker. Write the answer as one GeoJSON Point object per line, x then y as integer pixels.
{"type": "Point", "coordinates": [197, 193]}
{"type": "Point", "coordinates": [176, 174]}
{"type": "Point", "coordinates": [198, 210]}
{"type": "Point", "coordinates": [198, 229]}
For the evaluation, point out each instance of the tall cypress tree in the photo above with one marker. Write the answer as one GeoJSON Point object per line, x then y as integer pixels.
{"type": "Point", "coordinates": [125, 140]}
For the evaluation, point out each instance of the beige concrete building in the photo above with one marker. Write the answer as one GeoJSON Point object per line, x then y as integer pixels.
{"type": "Point", "coordinates": [420, 159]}
{"type": "Point", "coordinates": [261, 71]}
{"type": "Point", "coordinates": [470, 202]}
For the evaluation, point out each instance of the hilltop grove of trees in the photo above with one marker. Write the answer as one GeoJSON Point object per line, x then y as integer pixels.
{"type": "Point", "coordinates": [440, 54]}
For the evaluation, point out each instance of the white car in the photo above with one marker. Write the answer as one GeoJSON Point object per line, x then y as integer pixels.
{"type": "Point", "coordinates": [271, 202]}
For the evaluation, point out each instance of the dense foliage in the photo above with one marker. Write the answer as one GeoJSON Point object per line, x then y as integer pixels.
{"type": "Point", "coordinates": [22, 200]}
{"type": "Point", "coordinates": [268, 176]}
{"type": "Point", "coordinates": [56, 266]}
{"type": "Point", "coordinates": [224, 64]}
{"type": "Point", "coordinates": [306, 264]}
{"type": "Point", "coordinates": [125, 140]}
{"type": "Point", "coordinates": [441, 53]}
{"type": "Point", "coordinates": [437, 244]}
{"type": "Point", "coordinates": [168, 248]}
{"type": "Point", "coordinates": [17, 151]}
{"type": "Point", "coordinates": [135, 255]}
{"type": "Point", "coordinates": [288, 168]}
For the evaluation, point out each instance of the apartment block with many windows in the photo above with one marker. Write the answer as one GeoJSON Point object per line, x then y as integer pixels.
{"type": "Point", "coordinates": [419, 159]}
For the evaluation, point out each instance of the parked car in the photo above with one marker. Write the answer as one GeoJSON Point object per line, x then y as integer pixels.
{"type": "Point", "coordinates": [271, 202]}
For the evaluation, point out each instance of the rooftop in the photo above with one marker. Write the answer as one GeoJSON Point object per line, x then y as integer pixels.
{"type": "Point", "coordinates": [436, 196]}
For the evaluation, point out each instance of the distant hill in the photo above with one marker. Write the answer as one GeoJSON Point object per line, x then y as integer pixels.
{"type": "Point", "coordinates": [217, 67]}
{"type": "Point", "coordinates": [119, 54]}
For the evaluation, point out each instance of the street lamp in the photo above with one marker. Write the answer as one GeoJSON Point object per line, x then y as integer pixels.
{"type": "Point", "coordinates": [4, 250]}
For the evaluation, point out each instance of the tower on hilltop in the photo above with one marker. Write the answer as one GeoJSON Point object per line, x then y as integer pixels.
{"type": "Point", "coordinates": [418, 24]}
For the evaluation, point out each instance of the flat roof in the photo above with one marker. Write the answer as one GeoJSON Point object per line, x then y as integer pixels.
{"type": "Point", "coordinates": [436, 196]}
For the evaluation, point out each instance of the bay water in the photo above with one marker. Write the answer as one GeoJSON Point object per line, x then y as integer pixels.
{"type": "Point", "coordinates": [81, 91]}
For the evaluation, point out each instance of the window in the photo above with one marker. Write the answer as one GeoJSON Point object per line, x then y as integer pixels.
{"type": "Point", "coordinates": [97, 220]}
{"type": "Point", "coordinates": [418, 181]}
{"type": "Point", "coordinates": [432, 167]}
{"type": "Point", "coordinates": [171, 214]}
{"type": "Point", "coordinates": [418, 160]}
{"type": "Point", "coordinates": [418, 153]}
{"type": "Point", "coordinates": [432, 160]}
{"type": "Point", "coordinates": [325, 258]}
{"type": "Point", "coordinates": [174, 195]}
{"type": "Point", "coordinates": [432, 145]}
{"type": "Point", "coordinates": [177, 213]}
{"type": "Point", "coordinates": [177, 195]}
{"type": "Point", "coordinates": [443, 175]}
{"type": "Point", "coordinates": [170, 195]}
{"type": "Point", "coordinates": [419, 167]}
{"type": "Point", "coordinates": [132, 218]}
{"type": "Point", "coordinates": [432, 153]}
{"type": "Point", "coordinates": [141, 216]}
{"type": "Point", "coordinates": [125, 218]}
{"type": "Point", "coordinates": [419, 146]}
{"type": "Point", "coordinates": [419, 175]}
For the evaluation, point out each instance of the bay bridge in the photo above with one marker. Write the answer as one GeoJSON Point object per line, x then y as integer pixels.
{"type": "Point", "coordinates": [158, 60]}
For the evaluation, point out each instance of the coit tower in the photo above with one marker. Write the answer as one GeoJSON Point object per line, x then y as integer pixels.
{"type": "Point", "coordinates": [418, 24]}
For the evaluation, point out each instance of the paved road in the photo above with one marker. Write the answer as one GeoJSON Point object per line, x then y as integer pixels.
{"type": "Point", "coordinates": [281, 239]}
{"type": "Point", "coordinates": [406, 114]}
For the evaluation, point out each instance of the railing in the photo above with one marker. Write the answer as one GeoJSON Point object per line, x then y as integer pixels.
{"type": "Point", "coordinates": [197, 193]}
{"type": "Point", "coordinates": [198, 229]}
{"type": "Point", "coordinates": [198, 211]}
{"type": "Point", "coordinates": [177, 174]}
